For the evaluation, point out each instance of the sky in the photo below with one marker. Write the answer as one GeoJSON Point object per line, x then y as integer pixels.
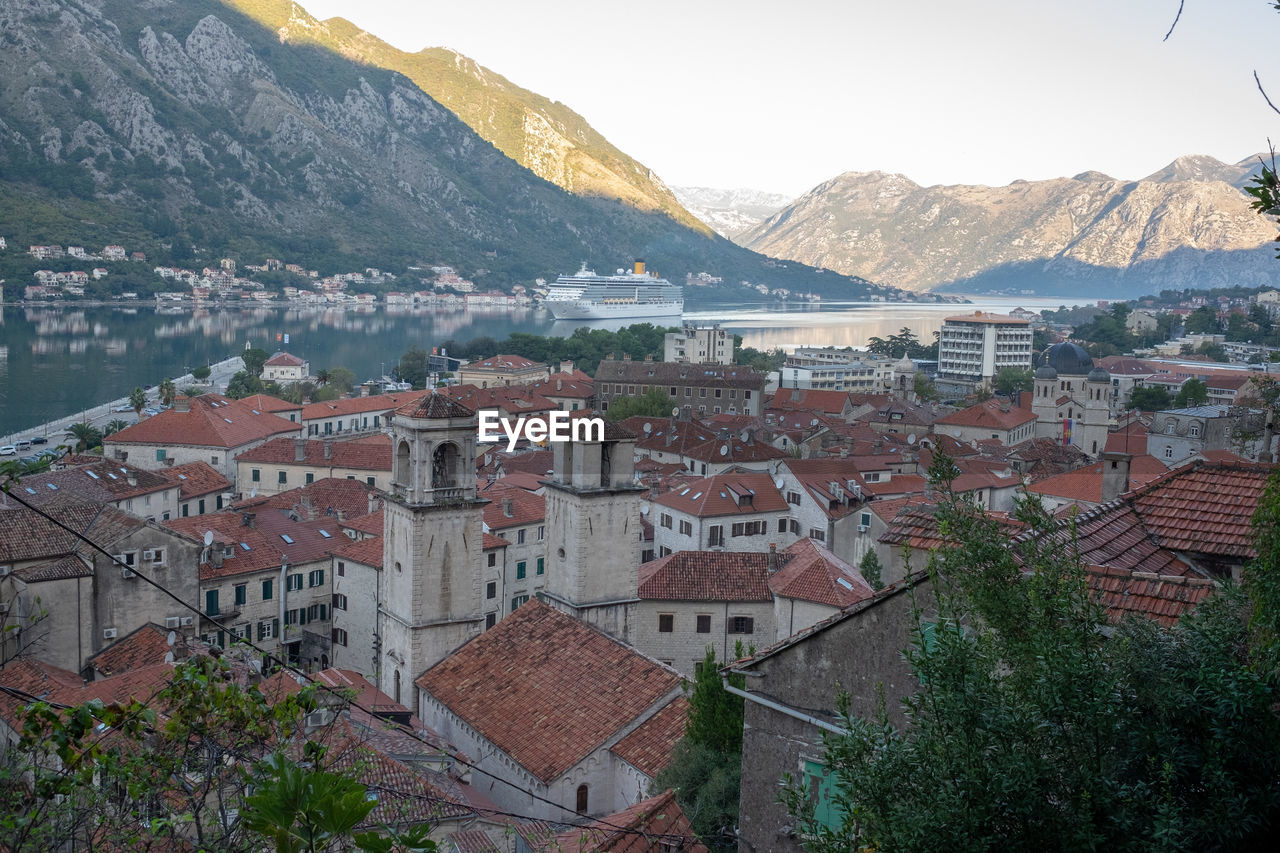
{"type": "Point", "coordinates": [783, 96]}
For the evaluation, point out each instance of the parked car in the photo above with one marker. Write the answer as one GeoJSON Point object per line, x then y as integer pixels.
{"type": "Point", "coordinates": [22, 444]}
{"type": "Point", "coordinates": [8, 450]}
{"type": "Point", "coordinates": [39, 439]}
{"type": "Point", "coordinates": [125, 408]}
{"type": "Point", "coordinates": [151, 411]}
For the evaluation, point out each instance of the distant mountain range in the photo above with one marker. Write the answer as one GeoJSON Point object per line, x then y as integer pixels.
{"type": "Point", "coordinates": [730, 212]}
{"type": "Point", "coordinates": [1186, 225]}
{"type": "Point", "coordinates": [189, 129]}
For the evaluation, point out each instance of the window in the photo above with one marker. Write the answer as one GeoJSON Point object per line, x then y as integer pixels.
{"type": "Point", "coordinates": [268, 628]}
{"type": "Point", "coordinates": [666, 623]}
{"type": "Point", "coordinates": [310, 478]}
{"type": "Point", "coordinates": [213, 460]}
{"type": "Point", "coordinates": [293, 582]}
{"type": "Point", "coordinates": [211, 603]}
{"type": "Point", "coordinates": [491, 589]}
{"type": "Point", "coordinates": [742, 625]}
{"type": "Point", "coordinates": [704, 623]}
{"type": "Point", "coordinates": [749, 528]}
{"type": "Point", "coordinates": [160, 454]}
{"type": "Point", "coordinates": [342, 569]}
{"type": "Point", "coordinates": [317, 613]}
{"type": "Point", "coordinates": [338, 636]}
{"type": "Point", "coordinates": [665, 521]}
{"type": "Point", "coordinates": [316, 577]}
{"type": "Point", "coordinates": [267, 590]}
{"type": "Point", "coordinates": [282, 477]}
{"type": "Point", "coordinates": [702, 392]}
{"type": "Point", "coordinates": [865, 519]}
{"type": "Point", "coordinates": [291, 617]}
{"type": "Point", "coordinates": [255, 474]}
{"type": "Point", "coordinates": [368, 481]}
{"type": "Point", "coordinates": [717, 393]}
{"type": "Point", "coordinates": [542, 565]}
{"type": "Point", "coordinates": [582, 799]}
{"type": "Point", "coordinates": [1169, 426]}
{"type": "Point", "coordinates": [793, 498]}
{"type": "Point", "coordinates": [339, 601]}
{"type": "Point", "coordinates": [874, 476]}
{"type": "Point", "coordinates": [1168, 453]}
{"type": "Point", "coordinates": [1194, 431]}
{"type": "Point", "coordinates": [688, 392]}
{"type": "Point", "coordinates": [686, 527]}
{"type": "Point", "coordinates": [715, 536]}
{"type": "Point", "coordinates": [520, 537]}
{"type": "Point", "coordinates": [664, 551]}
{"type": "Point", "coordinates": [493, 559]}
{"type": "Point", "coordinates": [518, 600]}
{"type": "Point", "coordinates": [542, 532]}
{"type": "Point", "coordinates": [520, 570]}
{"type": "Point", "coordinates": [242, 593]}
{"type": "Point", "coordinates": [817, 535]}
{"type": "Point", "coordinates": [490, 619]}
{"type": "Point", "coordinates": [782, 524]}
{"type": "Point", "coordinates": [200, 507]}
{"type": "Point", "coordinates": [157, 554]}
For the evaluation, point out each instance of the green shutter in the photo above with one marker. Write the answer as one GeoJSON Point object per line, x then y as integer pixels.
{"type": "Point", "coordinates": [541, 565]}
{"type": "Point", "coordinates": [822, 791]}
{"type": "Point", "coordinates": [267, 591]}
{"type": "Point", "coordinates": [211, 602]}
{"type": "Point", "coordinates": [520, 570]}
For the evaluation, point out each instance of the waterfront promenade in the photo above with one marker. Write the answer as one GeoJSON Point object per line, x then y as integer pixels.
{"type": "Point", "coordinates": [102, 414]}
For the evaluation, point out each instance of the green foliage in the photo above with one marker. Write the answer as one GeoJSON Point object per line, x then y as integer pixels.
{"type": "Point", "coordinates": [114, 427]}
{"type": "Point", "coordinates": [414, 367]}
{"type": "Point", "coordinates": [202, 372]}
{"type": "Point", "coordinates": [586, 347]}
{"type": "Point", "coordinates": [167, 391]}
{"type": "Point", "coordinates": [244, 384]}
{"type": "Point", "coordinates": [1037, 727]}
{"type": "Point", "coordinates": [1203, 321]}
{"type": "Point", "coordinates": [1215, 352]}
{"type": "Point", "coordinates": [706, 765]}
{"type": "Point", "coordinates": [1011, 379]}
{"type": "Point", "coordinates": [1150, 399]}
{"type": "Point", "coordinates": [326, 394]}
{"type": "Point", "coordinates": [341, 378]}
{"type": "Point", "coordinates": [654, 403]}
{"type": "Point", "coordinates": [872, 571]}
{"type": "Point", "coordinates": [755, 359]}
{"type": "Point", "coordinates": [86, 435]}
{"type": "Point", "coordinates": [924, 388]}
{"type": "Point", "coordinates": [1192, 393]}
{"type": "Point", "coordinates": [904, 343]}
{"type": "Point", "coordinates": [138, 400]}
{"type": "Point", "coordinates": [1107, 332]}
{"type": "Point", "coordinates": [1262, 574]}
{"type": "Point", "coordinates": [254, 359]}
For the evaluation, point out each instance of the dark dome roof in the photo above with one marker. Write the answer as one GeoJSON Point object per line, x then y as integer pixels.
{"type": "Point", "coordinates": [1099, 374]}
{"type": "Point", "coordinates": [1044, 371]}
{"type": "Point", "coordinates": [1068, 359]}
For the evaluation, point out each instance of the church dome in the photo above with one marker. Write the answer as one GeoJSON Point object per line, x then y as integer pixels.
{"type": "Point", "coordinates": [906, 365]}
{"type": "Point", "coordinates": [1044, 371]}
{"type": "Point", "coordinates": [1068, 359]}
{"type": "Point", "coordinates": [1099, 374]}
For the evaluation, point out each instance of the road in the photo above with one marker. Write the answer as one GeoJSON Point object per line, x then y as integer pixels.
{"type": "Point", "coordinates": [102, 414]}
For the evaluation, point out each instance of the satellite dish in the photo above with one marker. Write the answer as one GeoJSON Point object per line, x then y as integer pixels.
{"type": "Point", "coordinates": [675, 413]}
{"type": "Point", "coordinates": [644, 510]}
{"type": "Point", "coordinates": [168, 657]}
{"type": "Point", "coordinates": [253, 493]}
{"type": "Point", "coordinates": [724, 450]}
{"type": "Point", "coordinates": [813, 422]}
{"type": "Point", "coordinates": [172, 638]}
{"type": "Point", "coordinates": [911, 438]}
{"type": "Point", "coordinates": [208, 538]}
{"type": "Point", "coordinates": [647, 427]}
{"type": "Point", "coordinates": [777, 482]}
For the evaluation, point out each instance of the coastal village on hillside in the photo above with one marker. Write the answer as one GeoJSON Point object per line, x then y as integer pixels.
{"type": "Point", "coordinates": [516, 626]}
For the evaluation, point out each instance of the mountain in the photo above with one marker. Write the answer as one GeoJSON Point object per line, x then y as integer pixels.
{"type": "Point", "coordinates": [1187, 225]}
{"type": "Point", "coordinates": [190, 131]}
{"type": "Point", "coordinates": [730, 212]}
{"type": "Point", "coordinates": [542, 135]}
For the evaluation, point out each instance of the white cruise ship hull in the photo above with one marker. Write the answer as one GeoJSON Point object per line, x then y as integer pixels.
{"type": "Point", "coordinates": [588, 310]}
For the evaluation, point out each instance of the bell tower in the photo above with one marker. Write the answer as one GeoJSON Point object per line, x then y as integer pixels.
{"type": "Point", "coordinates": [593, 530]}
{"type": "Point", "coordinates": [432, 548]}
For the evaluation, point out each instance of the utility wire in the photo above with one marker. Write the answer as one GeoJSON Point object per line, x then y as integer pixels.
{"type": "Point", "coordinates": [285, 665]}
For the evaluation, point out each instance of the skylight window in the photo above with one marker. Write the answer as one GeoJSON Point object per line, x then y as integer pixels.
{"type": "Point", "coordinates": [287, 538]}
{"type": "Point", "coordinates": [182, 476]}
{"type": "Point", "coordinates": [93, 475]}
{"type": "Point", "coordinates": [844, 583]}
{"type": "Point", "coordinates": [228, 420]}
{"type": "Point", "coordinates": [244, 545]}
{"type": "Point", "coordinates": [30, 490]}
{"type": "Point", "coordinates": [52, 487]}
{"type": "Point", "coordinates": [255, 411]}
{"type": "Point", "coordinates": [112, 476]}
{"type": "Point", "coordinates": [695, 497]}
{"type": "Point", "coordinates": [325, 533]}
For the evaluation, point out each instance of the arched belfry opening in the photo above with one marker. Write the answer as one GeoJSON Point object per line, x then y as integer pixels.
{"type": "Point", "coordinates": [403, 469]}
{"type": "Point", "coordinates": [444, 466]}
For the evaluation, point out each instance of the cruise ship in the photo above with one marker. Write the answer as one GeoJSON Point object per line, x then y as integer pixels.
{"type": "Point", "coordinates": [587, 296]}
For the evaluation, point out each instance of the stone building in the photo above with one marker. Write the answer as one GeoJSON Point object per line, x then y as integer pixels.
{"type": "Point", "coordinates": [699, 389]}
{"type": "Point", "coordinates": [1071, 398]}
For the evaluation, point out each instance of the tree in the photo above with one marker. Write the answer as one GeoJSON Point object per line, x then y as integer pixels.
{"type": "Point", "coordinates": [254, 359]}
{"type": "Point", "coordinates": [1216, 352]}
{"type": "Point", "coordinates": [138, 401]}
{"type": "Point", "coordinates": [414, 367]}
{"type": "Point", "coordinates": [871, 570]}
{"type": "Point", "coordinates": [653, 403]}
{"type": "Point", "coordinates": [1203, 321]}
{"type": "Point", "coordinates": [201, 373]}
{"type": "Point", "coordinates": [1192, 393]}
{"type": "Point", "coordinates": [924, 389]}
{"type": "Point", "coordinates": [1151, 398]}
{"type": "Point", "coordinates": [114, 427]}
{"type": "Point", "coordinates": [706, 765]}
{"type": "Point", "coordinates": [326, 394]}
{"type": "Point", "coordinates": [1037, 724]}
{"type": "Point", "coordinates": [342, 378]}
{"type": "Point", "coordinates": [244, 384]}
{"type": "Point", "coordinates": [86, 435]}
{"type": "Point", "coordinates": [1011, 379]}
{"type": "Point", "coordinates": [167, 392]}
{"type": "Point", "coordinates": [322, 376]}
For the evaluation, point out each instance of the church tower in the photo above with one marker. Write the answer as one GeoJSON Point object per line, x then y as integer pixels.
{"type": "Point", "coordinates": [593, 530]}
{"type": "Point", "coordinates": [432, 543]}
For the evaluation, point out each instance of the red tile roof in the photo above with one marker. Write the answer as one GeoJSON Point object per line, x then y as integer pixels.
{"type": "Point", "coordinates": [212, 421]}
{"type": "Point", "coordinates": [284, 359]}
{"type": "Point", "coordinates": [371, 524]}
{"type": "Point", "coordinates": [372, 453]}
{"type": "Point", "coordinates": [827, 402]}
{"type": "Point", "coordinates": [1131, 438]}
{"type": "Point", "coordinates": [434, 406]}
{"type": "Point", "coordinates": [812, 573]}
{"type": "Point", "coordinates": [104, 482]}
{"type": "Point", "coordinates": [647, 827]}
{"type": "Point", "coordinates": [1163, 598]}
{"type": "Point", "coordinates": [1085, 484]}
{"type": "Point", "coordinates": [648, 748]}
{"type": "Point", "coordinates": [490, 542]}
{"type": "Point", "coordinates": [367, 552]}
{"type": "Point", "coordinates": [500, 363]}
{"type": "Point", "coordinates": [1113, 535]}
{"type": "Point", "coordinates": [143, 647]}
{"type": "Point", "coordinates": [577, 386]}
{"type": "Point", "coordinates": [706, 576]}
{"type": "Point", "coordinates": [267, 403]}
{"type": "Point", "coordinates": [1204, 508]}
{"type": "Point", "coordinates": [726, 495]}
{"type": "Point", "coordinates": [547, 689]}
{"type": "Point", "coordinates": [526, 507]}
{"type": "Point", "coordinates": [26, 536]}
{"type": "Point", "coordinates": [195, 479]}
{"type": "Point", "coordinates": [991, 414]}
{"type": "Point", "coordinates": [335, 498]}
{"type": "Point", "coordinates": [360, 405]}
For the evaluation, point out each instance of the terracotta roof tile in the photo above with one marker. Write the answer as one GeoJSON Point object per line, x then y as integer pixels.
{"type": "Point", "coordinates": [336, 498]}
{"type": "Point", "coordinates": [810, 572]}
{"type": "Point", "coordinates": [105, 482]}
{"type": "Point", "coordinates": [547, 689]}
{"type": "Point", "coordinates": [145, 646]}
{"type": "Point", "coordinates": [371, 524]}
{"type": "Point", "coordinates": [500, 363]}
{"type": "Point", "coordinates": [367, 552]}
{"type": "Point", "coordinates": [526, 507]}
{"type": "Point", "coordinates": [212, 421]}
{"type": "Point", "coordinates": [726, 495]}
{"type": "Point", "coordinates": [991, 414]}
{"type": "Point", "coordinates": [673, 373]}
{"type": "Point", "coordinates": [372, 453]}
{"type": "Point", "coordinates": [706, 576]}
{"type": "Point", "coordinates": [827, 402]}
{"type": "Point", "coordinates": [490, 541]}
{"type": "Point", "coordinates": [1204, 508]}
{"type": "Point", "coordinates": [195, 479]}
{"type": "Point", "coordinates": [434, 405]}
{"type": "Point", "coordinates": [284, 359]}
{"type": "Point", "coordinates": [1085, 484]}
{"type": "Point", "coordinates": [361, 405]}
{"type": "Point", "coordinates": [646, 827]}
{"type": "Point", "coordinates": [648, 748]}
{"type": "Point", "coordinates": [1163, 598]}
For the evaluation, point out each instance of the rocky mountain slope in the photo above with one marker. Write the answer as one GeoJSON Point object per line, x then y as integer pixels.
{"type": "Point", "coordinates": [542, 135]}
{"type": "Point", "coordinates": [730, 212]}
{"type": "Point", "coordinates": [1187, 225]}
{"type": "Point", "coordinates": [186, 129]}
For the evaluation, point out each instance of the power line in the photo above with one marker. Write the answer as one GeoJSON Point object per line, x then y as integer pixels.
{"type": "Point", "coordinates": [285, 665]}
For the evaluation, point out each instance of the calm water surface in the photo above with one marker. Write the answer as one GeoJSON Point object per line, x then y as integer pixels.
{"type": "Point", "coordinates": [55, 362]}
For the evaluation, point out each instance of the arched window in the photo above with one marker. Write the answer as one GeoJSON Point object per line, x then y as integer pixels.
{"type": "Point", "coordinates": [444, 466]}
{"type": "Point", "coordinates": [396, 694]}
{"type": "Point", "coordinates": [402, 463]}
{"type": "Point", "coordinates": [582, 799]}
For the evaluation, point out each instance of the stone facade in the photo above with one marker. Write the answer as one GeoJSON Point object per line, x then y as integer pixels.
{"type": "Point", "coordinates": [684, 646]}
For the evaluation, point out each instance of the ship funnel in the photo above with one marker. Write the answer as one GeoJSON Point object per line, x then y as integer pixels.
{"type": "Point", "coordinates": [639, 266]}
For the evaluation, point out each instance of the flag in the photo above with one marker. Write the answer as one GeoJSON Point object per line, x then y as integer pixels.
{"type": "Point", "coordinates": [286, 337]}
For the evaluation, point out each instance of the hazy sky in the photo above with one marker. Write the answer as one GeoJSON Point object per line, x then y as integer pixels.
{"type": "Point", "coordinates": [782, 96]}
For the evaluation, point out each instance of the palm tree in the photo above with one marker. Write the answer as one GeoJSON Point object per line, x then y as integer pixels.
{"type": "Point", "coordinates": [86, 435]}
{"type": "Point", "coordinates": [322, 376]}
{"type": "Point", "coordinates": [114, 427]}
{"type": "Point", "coordinates": [138, 400]}
{"type": "Point", "coordinates": [167, 392]}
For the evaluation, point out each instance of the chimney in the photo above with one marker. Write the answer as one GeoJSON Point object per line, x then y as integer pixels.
{"type": "Point", "coordinates": [328, 448]}
{"type": "Point", "coordinates": [506, 507]}
{"type": "Point", "coordinates": [772, 562]}
{"type": "Point", "coordinates": [299, 449]}
{"type": "Point", "coordinates": [131, 479]}
{"type": "Point", "coordinates": [559, 384]}
{"type": "Point", "coordinates": [247, 519]}
{"type": "Point", "coordinates": [844, 451]}
{"type": "Point", "coordinates": [1115, 474]}
{"type": "Point", "coordinates": [626, 356]}
{"type": "Point", "coordinates": [182, 404]}
{"type": "Point", "coordinates": [216, 555]}
{"type": "Point", "coordinates": [566, 366]}
{"type": "Point", "coordinates": [373, 502]}
{"type": "Point", "coordinates": [648, 359]}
